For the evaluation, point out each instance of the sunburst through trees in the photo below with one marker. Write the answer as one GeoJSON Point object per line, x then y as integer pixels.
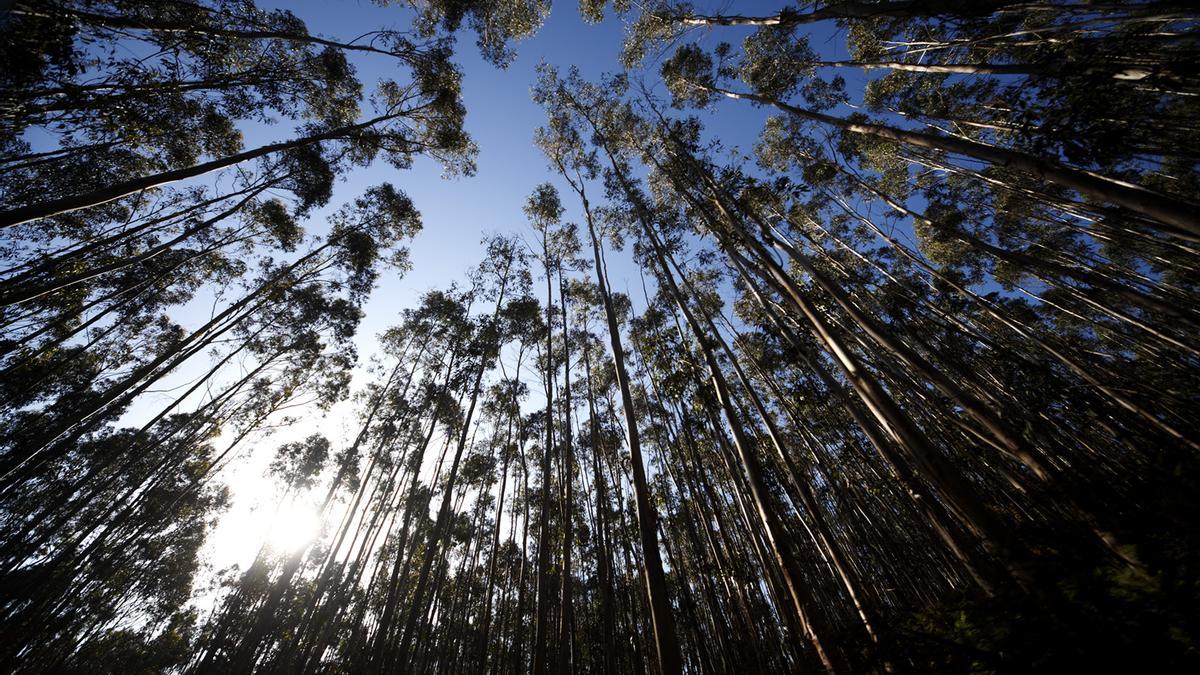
{"type": "Point", "coordinates": [906, 384]}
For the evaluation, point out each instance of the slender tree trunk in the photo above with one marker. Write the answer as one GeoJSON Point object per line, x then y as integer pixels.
{"type": "Point", "coordinates": [666, 642]}
{"type": "Point", "coordinates": [83, 200]}
{"type": "Point", "coordinates": [1177, 215]}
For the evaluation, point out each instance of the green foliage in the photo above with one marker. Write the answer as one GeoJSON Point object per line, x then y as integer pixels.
{"type": "Point", "coordinates": [125, 651]}
{"type": "Point", "coordinates": [775, 60]}
{"type": "Point", "coordinates": [914, 391]}
{"type": "Point", "coordinates": [296, 465]}
{"type": "Point", "coordinates": [689, 77]}
{"type": "Point", "coordinates": [496, 23]}
{"type": "Point", "coordinates": [650, 32]}
{"type": "Point", "coordinates": [544, 207]}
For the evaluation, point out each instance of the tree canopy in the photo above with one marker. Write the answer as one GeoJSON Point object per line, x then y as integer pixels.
{"type": "Point", "coordinates": [910, 383]}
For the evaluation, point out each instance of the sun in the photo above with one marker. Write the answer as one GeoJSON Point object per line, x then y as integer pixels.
{"type": "Point", "coordinates": [293, 529]}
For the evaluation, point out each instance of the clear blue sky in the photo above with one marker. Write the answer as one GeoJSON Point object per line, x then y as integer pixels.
{"type": "Point", "coordinates": [457, 213]}
{"type": "Point", "coordinates": [501, 119]}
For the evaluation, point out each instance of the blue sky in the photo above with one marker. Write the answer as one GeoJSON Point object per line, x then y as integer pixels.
{"type": "Point", "coordinates": [457, 213]}
{"type": "Point", "coordinates": [501, 119]}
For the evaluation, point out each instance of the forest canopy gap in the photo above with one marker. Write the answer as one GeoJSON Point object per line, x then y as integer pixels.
{"type": "Point", "coordinates": [846, 336]}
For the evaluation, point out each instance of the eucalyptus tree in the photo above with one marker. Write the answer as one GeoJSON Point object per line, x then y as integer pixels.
{"type": "Point", "coordinates": [911, 388]}
{"type": "Point", "coordinates": [562, 144]}
{"type": "Point", "coordinates": [500, 269]}
{"type": "Point", "coordinates": [497, 24]}
{"type": "Point", "coordinates": [858, 305]}
{"type": "Point", "coordinates": [421, 115]}
{"type": "Point", "coordinates": [365, 474]}
{"type": "Point", "coordinates": [544, 210]}
{"type": "Point", "coordinates": [114, 228]}
{"type": "Point", "coordinates": [113, 492]}
{"type": "Point", "coordinates": [111, 273]}
{"type": "Point", "coordinates": [175, 237]}
{"type": "Point", "coordinates": [146, 580]}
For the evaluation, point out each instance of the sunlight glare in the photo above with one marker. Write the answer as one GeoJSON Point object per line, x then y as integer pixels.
{"type": "Point", "coordinates": [293, 529]}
